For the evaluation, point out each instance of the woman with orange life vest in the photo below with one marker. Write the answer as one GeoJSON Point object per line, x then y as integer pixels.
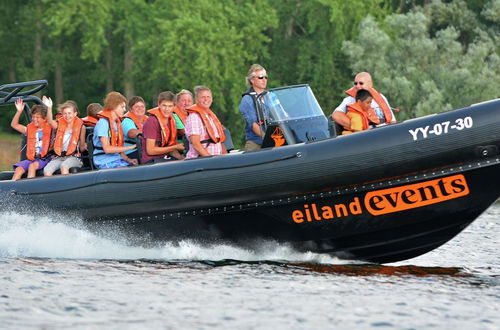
{"type": "Point", "coordinates": [361, 115]}
{"type": "Point", "coordinates": [380, 105]}
{"type": "Point", "coordinates": [93, 110]}
{"type": "Point", "coordinates": [160, 132]}
{"type": "Point", "coordinates": [38, 134]}
{"type": "Point", "coordinates": [132, 123]}
{"type": "Point", "coordinates": [69, 139]}
{"type": "Point", "coordinates": [203, 128]}
{"type": "Point", "coordinates": [108, 135]}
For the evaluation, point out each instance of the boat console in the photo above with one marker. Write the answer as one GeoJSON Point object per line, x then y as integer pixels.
{"type": "Point", "coordinates": [291, 115]}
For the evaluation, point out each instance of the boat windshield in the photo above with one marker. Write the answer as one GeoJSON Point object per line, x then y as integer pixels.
{"type": "Point", "coordinates": [289, 103]}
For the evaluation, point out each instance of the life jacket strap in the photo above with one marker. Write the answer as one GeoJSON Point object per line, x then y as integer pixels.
{"type": "Point", "coordinates": [209, 141]}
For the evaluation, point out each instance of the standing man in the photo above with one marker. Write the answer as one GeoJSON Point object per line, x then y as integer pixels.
{"type": "Point", "coordinates": [379, 104]}
{"type": "Point", "coordinates": [203, 128]}
{"type": "Point", "coordinates": [256, 81]}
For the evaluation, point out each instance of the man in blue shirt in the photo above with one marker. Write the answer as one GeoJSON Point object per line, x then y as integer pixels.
{"type": "Point", "coordinates": [256, 80]}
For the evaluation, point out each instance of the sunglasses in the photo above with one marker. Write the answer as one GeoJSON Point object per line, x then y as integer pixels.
{"type": "Point", "coordinates": [358, 83]}
{"type": "Point", "coordinates": [261, 77]}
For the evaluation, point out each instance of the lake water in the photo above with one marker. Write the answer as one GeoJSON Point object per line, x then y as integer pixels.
{"type": "Point", "coordinates": [56, 276]}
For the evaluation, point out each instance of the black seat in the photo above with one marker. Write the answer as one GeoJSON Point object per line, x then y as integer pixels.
{"type": "Point", "coordinates": [138, 144]}
{"type": "Point", "coordinates": [334, 128]}
{"type": "Point", "coordinates": [90, 149]}
{"type": "Point", "coordinates": [86, 156]}
{"type": "Point", "coordinates": [228, 143]}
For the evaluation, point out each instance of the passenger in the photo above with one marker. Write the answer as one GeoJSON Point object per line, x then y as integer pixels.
{"type": "Point", "coordinates": [69, 140]}
{"type": "Point", "coordinates": [360, 114]}
{"type": "Point", "coordinates": [38, 134]}
{"type": "Point", "coordinates": [183, 101]}
{"type": "Point", "coordinates": [363, 80]}
{"type": "Point", "coordinates": [133, 122]}
{"type": "Point", "coordinates": [203, 128]}
{"type": "Point", "coordinates": [256, 80]}
{"type": "Point", "coordinates": [160, 132]}
{"type": "Point", "coordinates": [93, 110]}
{"type": "Point", "coordinates": [108, 143]}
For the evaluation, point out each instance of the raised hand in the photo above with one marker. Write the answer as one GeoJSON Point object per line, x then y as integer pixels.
{"type": "Point", "coordinates": [19, 104]}
{"type": "Point", "coordinates": [47, 101]}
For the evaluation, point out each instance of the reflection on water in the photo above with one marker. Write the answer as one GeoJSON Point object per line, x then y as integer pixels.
{"type": "Point", "coordinates": [374, 269]}
{"type": "Point", "coordinates": [344, 269]}
{"type": "Point", "coordinates": [58, 275]}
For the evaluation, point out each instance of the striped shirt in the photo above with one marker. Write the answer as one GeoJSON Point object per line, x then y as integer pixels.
{"type": "Point", "coordinates": [194, 126]}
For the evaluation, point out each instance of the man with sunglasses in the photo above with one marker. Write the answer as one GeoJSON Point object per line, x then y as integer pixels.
{"type": "Point", "coordinates": [256, 81]}
{"type": "Point", "coordinates": [379, 104]}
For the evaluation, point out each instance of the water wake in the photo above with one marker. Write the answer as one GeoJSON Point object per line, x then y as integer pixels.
{"type": "Point", "coordinates": [44, 237]}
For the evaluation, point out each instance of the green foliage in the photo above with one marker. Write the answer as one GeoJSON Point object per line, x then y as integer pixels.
{"type": "Point", "coordinates": [430, 59]}
{"type": "Point", "coordinates": [426, 58]}
{"type": "Point", "coordinates": [306, 47]}
{"type": "Point", "coordinates": [89, 19]}
{"type": "Point", "coordinates": [212, 45]}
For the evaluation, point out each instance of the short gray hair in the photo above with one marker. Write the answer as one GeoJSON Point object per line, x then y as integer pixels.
{"type": "Point", "coordinates": [199, 89]}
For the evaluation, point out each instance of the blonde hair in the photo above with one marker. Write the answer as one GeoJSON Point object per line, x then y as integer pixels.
{"type": "Point", "coordinates": [251, 74]}
{"type": "Point", "coordinates": [182, 92]}
{"type": "Point", "coordinates": [67, 104]}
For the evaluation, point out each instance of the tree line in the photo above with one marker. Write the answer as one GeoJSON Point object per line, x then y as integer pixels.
{"type": "Point", "coordinates": [425, 56]}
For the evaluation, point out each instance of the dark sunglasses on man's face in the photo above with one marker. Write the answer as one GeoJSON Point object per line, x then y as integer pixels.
{"type": "Point", "coordinates": [358, 83]}
{"type": "Point", "coordinates": [261, 77]}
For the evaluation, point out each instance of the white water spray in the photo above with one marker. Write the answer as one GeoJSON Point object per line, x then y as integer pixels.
{"type": "Point", "coordinates": [42, 237]}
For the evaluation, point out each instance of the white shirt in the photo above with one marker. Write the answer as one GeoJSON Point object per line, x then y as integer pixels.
{"type": "Point", "coordinates": [66, 139]}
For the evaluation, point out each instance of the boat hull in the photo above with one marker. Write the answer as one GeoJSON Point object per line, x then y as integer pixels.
{"type": "Point", "coordinates": [350, 223]}
{"type": "Point", "coordinates": [381, 195]}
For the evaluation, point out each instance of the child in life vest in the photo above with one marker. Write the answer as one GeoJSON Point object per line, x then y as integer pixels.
{"type": "Point", "coordinates": [38, 134]}
{"type": "Point", "coordinates": [159, 139]}
{"type": "Point", "coordinates": [109, 151]}
{"type": "Point", "coordinates": [360, 113]}
{"type": "Point", "coordinates": [69, 140]}
{"type": "Point", "coordinates": [93, 110]}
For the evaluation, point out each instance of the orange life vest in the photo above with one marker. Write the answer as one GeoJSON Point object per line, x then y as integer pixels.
{"type": "Point", "coordinates": [205, 114]}
{"type": "Point", "coordinates": [138, 121]}
{"type": "Point", "coordinates": [75, 136]}
{"type": "Point", "coordinates": [182, 114]}
{"type": "Point", "coordinates": [89, 121]}
{"type": "Point", "coordinates": [378, 99]}
{"type": "Point", "coordinates": [115, 139]}
{"type": "Point", "coordinates": [168, 128]}
{"type": "Point", "coordinates": [31, 131]}
{"type": "Point", "coordinates": [355, 108]}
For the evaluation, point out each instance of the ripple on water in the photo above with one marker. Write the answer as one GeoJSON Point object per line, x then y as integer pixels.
{"type": "Point", "coordinates": [59, 275]}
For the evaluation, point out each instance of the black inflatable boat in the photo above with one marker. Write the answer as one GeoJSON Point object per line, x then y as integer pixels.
{"type": "Point", "coordinates": [381, 195]}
